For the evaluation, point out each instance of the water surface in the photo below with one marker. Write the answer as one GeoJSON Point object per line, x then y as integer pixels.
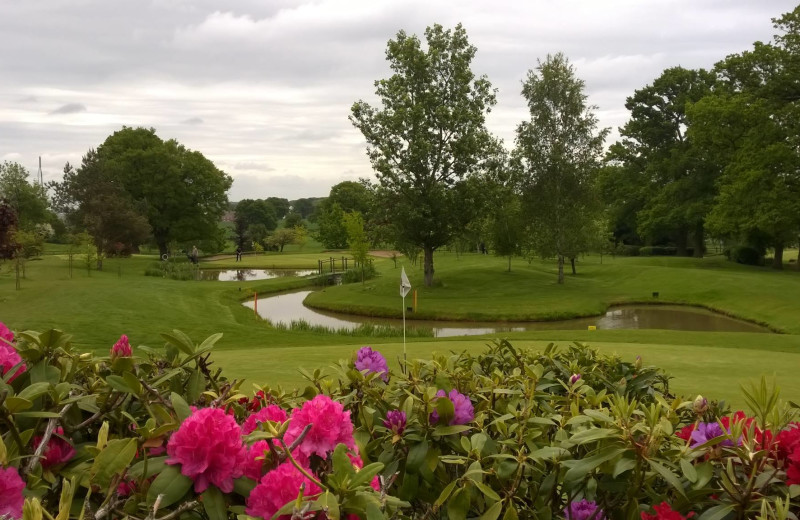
{"type": "Point", "coordinates": [284, 308]}
{"type": "Point", "coordinates": [243, 275]}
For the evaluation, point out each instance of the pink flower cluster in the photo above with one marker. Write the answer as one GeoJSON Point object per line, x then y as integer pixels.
{"type": "Point", "coordinates": [462, 406]}
{"type": "Point", "coordinates": [209, 448]}
{"type": "Point", "coordinates": [330, 426]}
{"type": "Point", "coordinates": [270, 413]}
{"type": "Point", "coordinates": [121, 348]}
{"type": "Point", "coordinates": [11, 499]}
{"type": "Point", "coordinates": [9, 357]}
{"type": "Point", "coordinates": [58, 450]}
{"type": "Point", "coordinates": [372, 361]}
{"type": "Point", "coordinates": [277, 488]}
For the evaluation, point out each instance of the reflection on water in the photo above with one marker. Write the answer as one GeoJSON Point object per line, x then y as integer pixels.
{"type": "Point", "coordinates": [243, 275]}
{"type": "Point", "coordinates": [289, 306]}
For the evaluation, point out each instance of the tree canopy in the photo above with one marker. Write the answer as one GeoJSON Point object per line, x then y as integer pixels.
{"type": "Point", "coordinates": [427, 136]}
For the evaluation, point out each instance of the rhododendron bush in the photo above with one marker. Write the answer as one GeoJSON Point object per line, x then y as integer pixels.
{"type": "Point", "coordinates": [159, 434]}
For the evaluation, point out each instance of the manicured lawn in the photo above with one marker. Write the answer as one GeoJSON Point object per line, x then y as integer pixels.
{"type": "Point", "coordinates": [478, 287]}
{"type": "Point", "coordinates": [96, 309]}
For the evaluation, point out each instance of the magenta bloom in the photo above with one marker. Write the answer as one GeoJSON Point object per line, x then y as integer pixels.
{"type": "Point", "coordinates": [9, 357]}
{"type": "Point", "coordinates": [209, 448]}
{"type": "Point", "coordinates": [276, 489]}
{"type": "Point", "coordinates": [583, 510]}
{"type": "Point", "coordinates": [707, 431]}
{"type": "Point", "coordinates": [331, 426]}
{"type": "Point", "coordinates": [58, 450]}
{"type": "Point", "coordinates": [574, 378]}
{"type": "Point", "coordinates": [395, 421]}
{"type": "Point", "coordinates": [254, 467]}
{"type": "Point", "coordinates": [464, 412]}
{"type": "Point", "coordinates": [121, 348]}
{"type": "Point", "coordinates": [272, 412]}
{"type": "Point", "coordinates": [5, 334]}
{"type": "Point", "coordinates": [11, 499]}
{"type": "Point", "coordinates": [372, 361]}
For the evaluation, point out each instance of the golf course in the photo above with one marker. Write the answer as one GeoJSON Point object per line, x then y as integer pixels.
{"type": "Point", "coordinates": [96, 307]}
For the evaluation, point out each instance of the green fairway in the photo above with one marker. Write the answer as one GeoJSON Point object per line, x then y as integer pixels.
{"type": "Point", "coordinates": [96, 309]}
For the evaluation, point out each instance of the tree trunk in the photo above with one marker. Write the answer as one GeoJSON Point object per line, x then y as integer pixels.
{"type": "Point", "coordinates": [699, 241]}
{"type": "Point", "coordinates": [162, 247]}
{"type": "Point", "coordinates": [777, 261]}
{"type": "Point", "coordinates": [560, 268]}
{"type": "Point", "coordinates": [509, 263]}
{"type": "Point", "coordinates": [572, 261]}
{"type": "Point", "coordinates": [428, 266]}
{"type": "Point", "coordinates": [680, 242]}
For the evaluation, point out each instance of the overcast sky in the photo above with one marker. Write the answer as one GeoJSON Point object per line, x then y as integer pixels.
{"type": "Point", "coordinates": [263, 87]}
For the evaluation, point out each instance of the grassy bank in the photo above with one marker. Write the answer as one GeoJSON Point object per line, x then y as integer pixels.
{"type": "Point", "coordinates": [477, 287]}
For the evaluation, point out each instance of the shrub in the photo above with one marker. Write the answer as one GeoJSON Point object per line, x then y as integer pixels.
{"type": "Point", "coordinates": [746, 255]}
{"type": "Point", "coordinates": [509, 433]}
{"type": "Point", "coordinates": [353, 275]}
{"type": "Point", "coordinates": [173, 268]}
{"type": "Point", "coordinates": [628, 250]}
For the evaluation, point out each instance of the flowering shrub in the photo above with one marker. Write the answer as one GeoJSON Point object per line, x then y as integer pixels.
{"type": "Point", "coordinates": [508, 433]}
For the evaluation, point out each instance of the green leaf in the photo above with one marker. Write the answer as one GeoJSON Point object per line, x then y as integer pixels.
{"type": "Point", "coordinates": [366, 474]}
{"type": "Point", "coordinates": [180, 340]}
{"type": "Point", "coordinates": [113, 460]}
{"type": "Point", "coordinates": [38, 415]}
{"type": "Point", "coordinates": [493, 512]}
{"type": "Point", "coordinates": [445, 494]}
{"type": "Point", "coordinates": [242, 486]}
{"type": "Point", "coordinates": [214, 504]}
{"type": "Point", "coordinates": [622, 466]}
{"type": "Point", "coordinates": [458, 505]}
{"type": "Point", "coordinates": [181, 407]}
{"type": "Point", "coordinates": [579, 468]}
{"type": "Point", "coordinates": [597, 415]}
{"type": "Point", "coordinates": [717, 512]}
{"type": "Point", "coordinates": [170, 483]}
{"type": "Point", "coordinates": [511, 513]}
{"type": "Point", "coordinates": [594, 434]}
{"type": "Point", "coordinates": [416, 457]}
{"type": "Point", "coordinates": [688, 471]}
{"type": "Point", "coordinates": [668, 475]}
{"type": "Point", "coordinates": [35, 390]}
{"type": "Point", "coordinates": [450, 430]}
{"type": "Point", "coordinates": [132, 382]}
{"type": "Point", "coordinates": [705, 472]}
{"type": "Point", "coordinates": [330, 505]}
{"type": "Point", "coordinates": [488, 492]}
{"type": "Point", "coordinates": [119, 384]}
{"type": "Point", "coordinates": [16, 404]}
{"type": "Point", "coordinates": [445, 409]}
{"type": "Point", "coordinates": [209, 342]}
{"type": "Point", "coordinates": [154, 465]}
{"type": "Point", "coordinates": [374, 512]}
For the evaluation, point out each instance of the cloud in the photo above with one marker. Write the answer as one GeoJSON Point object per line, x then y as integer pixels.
{"type": "Point", "coordinates": [69, 108]}
{"type": "Point", "coordinates": [264, 89]}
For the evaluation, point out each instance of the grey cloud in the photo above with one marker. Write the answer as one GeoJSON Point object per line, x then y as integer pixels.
{"type": "Point", "coordinates": [70, 108]}
{"type": "Point", "coordinates": [192, 121]}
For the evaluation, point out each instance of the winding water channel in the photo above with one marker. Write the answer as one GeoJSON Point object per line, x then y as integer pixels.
{"type": "Point", "coordinates": [286, 307]}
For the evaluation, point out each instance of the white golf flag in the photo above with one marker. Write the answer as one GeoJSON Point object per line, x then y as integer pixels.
{"type": "Point", "coordinates": [405, 285]}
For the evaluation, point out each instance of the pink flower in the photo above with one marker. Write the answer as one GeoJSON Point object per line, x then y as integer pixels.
{"type": "Point", "coordinates": [462, 408]}
{"type": "Point", "coordinates": [254, 467]}
{"type": "Point", "coordinates": [272, 412]}
{"type": "Point", "coordinates": [209, 448]}
{"type": "Point", "coordinates": [11, 499]}
{"type": "Point", "coordinates": [58, 450]}
{"type": "Point", "coordinates": [5, 334]}
{"type": "Point", "coordinates": [372, 361]}
{"type": "Point", "coordinates": [121, 348]}
{"type": "Point", "coordinates": [276, 489]}
{"type": "Point", "coordinates": [9, 358]}
{"type": "Point", "coordinates": [330, 426]}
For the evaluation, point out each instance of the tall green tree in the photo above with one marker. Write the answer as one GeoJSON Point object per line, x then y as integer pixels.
{"type": "Point", "coordinates": [253, 212]}
{"type": "Point", "coordinates": [558, 152]}
{"type": "Point", "coordinates": [750, 124]}
{"type": "Point", "coordinates": [28, 200]}
{"type": "Point", "coordinates": [183, 195]}
{"type": "Point", "coordinates": [427, 136]}
{"type": "Point", "coordinates": [345, 197]}
{"type": "Point", "coordinates": [94, 200]}
{"type": "Point", "coordinates": [357, 239]}
{"type": "Point", "coordinates": [672, 180]}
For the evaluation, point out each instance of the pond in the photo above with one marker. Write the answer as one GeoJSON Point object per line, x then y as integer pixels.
{"type": "Point", "coordinates": [289, 306]}
{"type": "Point", "coordinates": [243, 275]}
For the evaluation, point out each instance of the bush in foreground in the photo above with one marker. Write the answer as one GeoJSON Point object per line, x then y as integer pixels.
{"type": "Point", "coordinates": [566, 433]}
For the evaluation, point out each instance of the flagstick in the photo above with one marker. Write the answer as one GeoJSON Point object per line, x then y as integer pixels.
{"type": "Point", "coordinates": [405, 359]}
